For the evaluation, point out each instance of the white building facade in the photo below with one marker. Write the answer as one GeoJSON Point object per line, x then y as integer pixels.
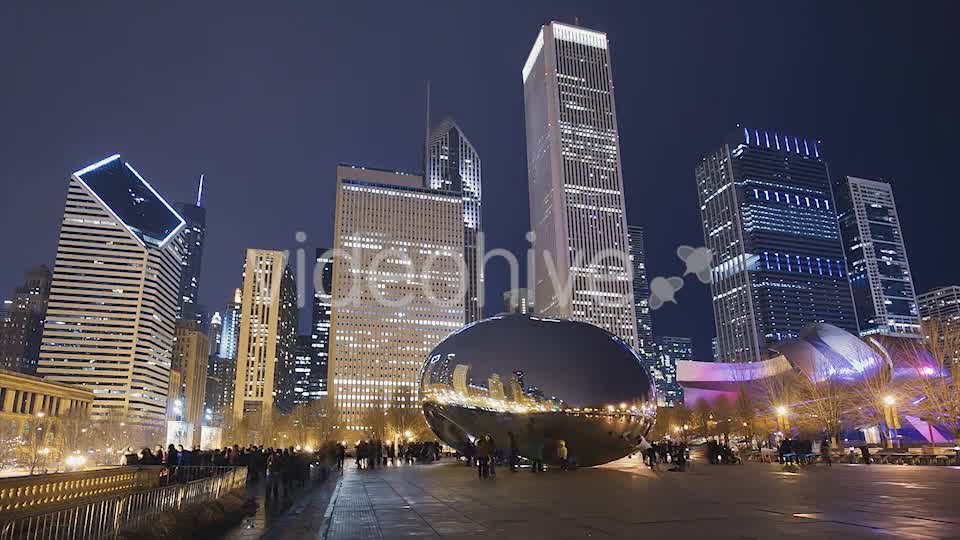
{"type": "Point", "coordinates": [114, 296]}
{"type": "Point", "coordinates": [397, 288]}
{"type": "Point", "coordinates": [577, 212]}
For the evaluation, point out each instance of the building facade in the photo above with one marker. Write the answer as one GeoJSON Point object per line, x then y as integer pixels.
{"type": "Point", "coordinates": [575, 181]}
{"type": "Point", "coordinates": [268, 333]}
{"type": "Point", "coordinates": [518, 302]}
{"type": "Point", "coordinates": [320, 329]}
{"type": "Point", "coordinates": [398, 293]}
{"type": "Point", "coordinates": [768, 216]}
{"type": "Point", "coordinates": [24, 398]}
{"type": "Point", "coordinates": [641, 295]}
{"type": "Point", "coordinates": [192, 262]}
{"type": "Point", "coordinates": [230, 327]}
{"type": "Point", "coordinates": [114, 296]}
{"type": "Point", "coordinates": [877, 265]}
{"type": "Point", "coordinates": [222, 367]}
{"type": "Point", "coordinates": [454, 165]}
{"type": "Point", "coordinates": [670, 350]}
{"type": "Point", "coordinates": [940, 310]}
{"type": "Point", "coordinates": [191, 351]}
{"type": "Point", "coordinates": [21, 322]}
{"type": "Point", "coordinates": [302, 370]}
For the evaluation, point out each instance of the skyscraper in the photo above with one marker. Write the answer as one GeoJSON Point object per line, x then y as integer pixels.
{"type": "Point", "coordinates": [397, 295]}
{"type": "Point", "coordinates": [575, 181]}
{"type": "Point", "coordinates": [21, 322]}
{"type": "Point", "coordinates": [193, 237]}
{"type": "Point", "coordinates": [641, 295]}
{"type": "Point", "coordinates": [320, 335]}
{"type": "Point", "coordinates": [190, 353]}
{"type": "Point", "coordinates": [877, 266]}
{"type": "Point", "coordinates": [302, 368]}
{"type": "Point", "coordinates": [940, 310]}
{"type": "Point", "coordinates": [454, 165]}
{"type": "Point", "coordinates": [669, 350]}
{"type": "Point", "coordinates": [222, 368]}
{"type": "Point", "coordinates": [268, 333]}
{"type": "Point", "coordinates": [768, 215]}
{"type": "Point", "coordinates": [230, 327]}
{"type": "Point", "coordinates": [114, 296]}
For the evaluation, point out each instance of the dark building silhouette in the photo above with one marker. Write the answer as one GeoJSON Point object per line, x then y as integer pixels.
{"type": "Point", "coordinates": [21, 322]}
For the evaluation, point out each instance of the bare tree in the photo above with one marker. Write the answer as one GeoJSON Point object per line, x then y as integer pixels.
{"type": "Point", "coordinates": [10, 442]}
{"type": "Point", "coordinates": [867, 394]}
{"type": "Point", "coordinates": [934, 382]}
{"type": "Point", "coordinates": [36, 453]}
{"type": "Point", "coordinates": [405, 419]}
{"type": "Point", "coordinates": [821, 405]}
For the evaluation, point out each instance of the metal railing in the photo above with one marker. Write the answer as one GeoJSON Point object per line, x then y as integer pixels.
{"type": "Point", "coordinates": [29, 493]}
{"type": "Point", "coordinates": [105, 517]}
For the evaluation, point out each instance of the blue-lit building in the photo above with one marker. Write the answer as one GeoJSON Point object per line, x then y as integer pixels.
{"type": "Point", "coordinates": [669, 350]}
{"type": "Point", "coordinates": [877, 264]}
{"type": "Point", "coordinates": [192, 238]}
{"type": "Point", "coordinates": [768, 215]}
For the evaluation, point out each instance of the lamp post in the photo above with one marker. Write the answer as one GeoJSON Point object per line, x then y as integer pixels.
{"type": "Point", "coordinates": [783, 419]}
{"type": "Point", "coordinates": [891, 418]}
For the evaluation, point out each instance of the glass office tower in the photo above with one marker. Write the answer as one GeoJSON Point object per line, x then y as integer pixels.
{"type": "Point", "coordinates": [454, 165]}
{"type": "Point", "coordinates": [880, 276]}
{"type": "Point", "coordinates": [769, 217]}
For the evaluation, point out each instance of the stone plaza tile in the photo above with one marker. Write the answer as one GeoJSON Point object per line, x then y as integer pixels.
{"type": "Point", "coordinates": [628, 501]}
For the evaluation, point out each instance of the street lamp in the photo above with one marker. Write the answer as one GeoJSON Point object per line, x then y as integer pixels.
{"type": "Point", "coordinates": [783, 418]}
{"type": "Point", "coordinates": [892, 419]}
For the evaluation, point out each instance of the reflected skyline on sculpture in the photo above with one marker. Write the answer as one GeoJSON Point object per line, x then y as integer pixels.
{"type": "Point", "coordinates": [537, 382]}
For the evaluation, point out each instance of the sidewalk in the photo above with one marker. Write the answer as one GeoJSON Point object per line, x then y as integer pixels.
{"type": "Point", "coordinates": [625, 500]}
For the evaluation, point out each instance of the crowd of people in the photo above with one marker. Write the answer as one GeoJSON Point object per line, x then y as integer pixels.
{"type": "Point", "coordinates": [721, 453]}
{"type": "Point", "coordinates": [677, 454]}
{"type": "Point", "coordinates": [284, 469]}
{"type": "Point", "coordinates": [486, 455]}
{"type": "Point", "coordinates": [369, 454]}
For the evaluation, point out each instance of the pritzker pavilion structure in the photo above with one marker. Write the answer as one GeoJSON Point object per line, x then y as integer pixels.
{"type": "Point", "coordinates": [827, 356]}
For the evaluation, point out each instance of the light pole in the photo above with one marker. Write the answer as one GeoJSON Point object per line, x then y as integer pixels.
{"type": "Point", "coordinates": [892, 419]}
{"type": "Point", "coordinates": [783, 419]}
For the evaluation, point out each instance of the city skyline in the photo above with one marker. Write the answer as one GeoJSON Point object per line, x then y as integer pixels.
{"type": "Point", "coordinates": [857, 147]}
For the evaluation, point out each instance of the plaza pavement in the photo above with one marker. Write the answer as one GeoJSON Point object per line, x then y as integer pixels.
{"type": "Point", "coordinates": [626, 500]}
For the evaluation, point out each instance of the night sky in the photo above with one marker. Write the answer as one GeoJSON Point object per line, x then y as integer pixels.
{"type": "Point", "coordinates": [266, 98]}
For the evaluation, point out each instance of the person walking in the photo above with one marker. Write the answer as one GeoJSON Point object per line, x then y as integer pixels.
{"type": "Point", "coordinates": [825, 456]}
{"type": "Point", "coordinates": [492, 460]}
{"type": "Point", "coordinates": [483, 456]}
{"type": "Point", "coordinates": [563, 454]}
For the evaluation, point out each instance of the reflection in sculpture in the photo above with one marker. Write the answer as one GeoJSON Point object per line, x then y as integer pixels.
{"type": "Point", "coordinates": [537, 382]}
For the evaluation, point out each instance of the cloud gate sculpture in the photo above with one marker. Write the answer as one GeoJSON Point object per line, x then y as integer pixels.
{"type": "Point", "coordinates": [537, 382]}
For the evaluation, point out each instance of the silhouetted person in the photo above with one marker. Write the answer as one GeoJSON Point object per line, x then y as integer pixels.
{"type": "Point", "coordinates": [825, 453]}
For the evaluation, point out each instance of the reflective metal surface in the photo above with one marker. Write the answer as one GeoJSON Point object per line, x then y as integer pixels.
{"type": "Point", "coordinates": [538, 382]}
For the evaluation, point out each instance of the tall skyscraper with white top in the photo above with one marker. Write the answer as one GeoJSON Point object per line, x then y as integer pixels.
{"type": "Point", "coordinates": [575, 181]}
{"type": "Point", "coordinates": [114, 296]}
{"type": "Point", "coordinates": [397, 288]}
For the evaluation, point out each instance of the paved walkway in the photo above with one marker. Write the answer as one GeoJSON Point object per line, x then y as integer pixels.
{"type": "Point", "coordinates": [625, 500]}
